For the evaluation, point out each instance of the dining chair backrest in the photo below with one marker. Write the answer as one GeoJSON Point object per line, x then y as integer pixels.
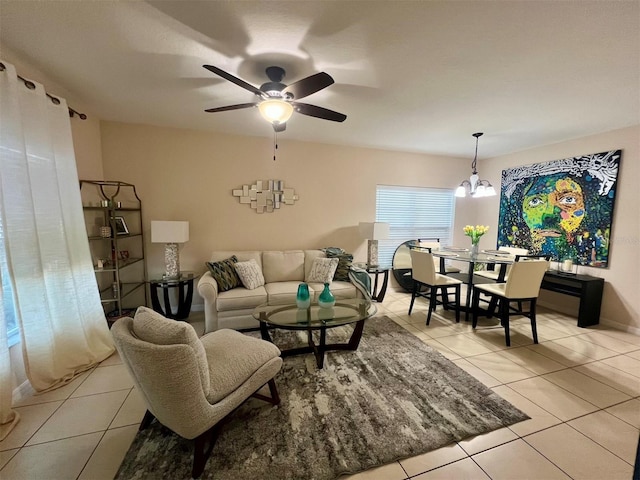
{"type": "Point", "coordinates": [532, 258]}
{"type": "Point", "coordinates": [514, 250]}
{"type": "Point", "coordinates": [423, 268]}
{"type": "Point", "coordinates": [432, 243]}
{"type": "Point", "coordinates": [525, 279]}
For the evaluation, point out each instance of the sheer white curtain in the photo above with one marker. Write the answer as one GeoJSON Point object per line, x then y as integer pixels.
{"type": "Point", "coordinates": [62, 324]}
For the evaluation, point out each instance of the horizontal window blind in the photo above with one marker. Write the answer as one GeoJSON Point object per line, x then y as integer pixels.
{"type": "Point", "coordinates": [413, 213]}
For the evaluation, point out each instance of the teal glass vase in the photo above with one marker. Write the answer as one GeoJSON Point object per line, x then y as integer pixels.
{"type": "Point", "coordinates": [326, 298]}
{"type": "Point", "coordinates": [303, 299]}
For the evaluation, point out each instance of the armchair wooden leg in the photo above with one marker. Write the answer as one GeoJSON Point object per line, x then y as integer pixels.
{"type": "Point", "coordinates": [146, 420]}
{"type": "Point", "coordinates": [203, 445]}
{"type": "Point", "coordinates": [274, 399]}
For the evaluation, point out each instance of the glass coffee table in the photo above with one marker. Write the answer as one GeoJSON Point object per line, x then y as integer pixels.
{"type": "Point", "coordinates": [316, 319]}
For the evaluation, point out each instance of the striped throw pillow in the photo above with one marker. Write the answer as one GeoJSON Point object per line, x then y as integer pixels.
{"type": "Point", "coordinates": [224, 273]}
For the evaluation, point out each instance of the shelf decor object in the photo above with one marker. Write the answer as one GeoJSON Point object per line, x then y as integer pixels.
{"type": "Point", "coordinates": [373, 231]}
{"type": "Point", "coordinates": [303, 299]}
{"type": "Point", "coordinates": [171, 234]}
{"type": "Point", "coordinates": [326, 298]}
{"type": "Point", "coordinates": [267, 195]}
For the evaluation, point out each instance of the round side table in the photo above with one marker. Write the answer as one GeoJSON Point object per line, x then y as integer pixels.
{"type": "Point", "coordinates": [377, 270]}
{"type": "Point", "coordinates": [185, 296]}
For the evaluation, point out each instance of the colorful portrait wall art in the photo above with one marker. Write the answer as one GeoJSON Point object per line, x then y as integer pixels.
{"type": "Point", "coordinates": [563, 208]}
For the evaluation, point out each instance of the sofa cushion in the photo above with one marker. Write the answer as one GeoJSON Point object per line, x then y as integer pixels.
{"type": "Point", "coordinates": [250, 274]}
{"type": "Point", "coordinates": [282, 293]}
{"type": "Point", "coordinates": [151, 327]}
{"type": "Point", "coordinates": [241, 299]}
{"type": "Point", "coordinates": [322, 270]}
{"type": "Point", "coordinates": [283, 266]}
{"type": "Point", "coordinates": [241, 356]}
{"type": "Point", "coordinates": [224, 273]}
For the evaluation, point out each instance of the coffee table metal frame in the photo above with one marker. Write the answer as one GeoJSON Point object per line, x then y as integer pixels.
{"type": "Point", "coordinates": [311, 319]}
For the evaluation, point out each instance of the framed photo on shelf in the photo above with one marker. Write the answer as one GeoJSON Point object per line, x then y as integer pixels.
{"type": "Point", "coordinates": [121, 226]}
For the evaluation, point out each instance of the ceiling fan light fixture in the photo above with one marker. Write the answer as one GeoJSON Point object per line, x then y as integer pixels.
{"type": "Point", "coordinates": [275, 110]}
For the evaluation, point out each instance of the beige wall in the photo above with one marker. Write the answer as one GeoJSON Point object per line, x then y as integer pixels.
{"type": "Point", "coordinates": [621, 302]}
{"type": "Point", "coordinates": [189, 175]}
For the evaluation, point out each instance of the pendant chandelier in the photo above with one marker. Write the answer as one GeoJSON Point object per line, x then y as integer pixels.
{"type": "Point", "coordinates": [476, 187]}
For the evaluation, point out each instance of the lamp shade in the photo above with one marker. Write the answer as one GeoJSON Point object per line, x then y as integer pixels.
{"type": "Point", "coordinates": [374, 230]}
{"type": "Point", "coordinates": [169, 232]}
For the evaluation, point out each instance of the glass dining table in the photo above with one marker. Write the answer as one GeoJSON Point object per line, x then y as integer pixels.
{"type": "Point", "coordinates": [496, 257]}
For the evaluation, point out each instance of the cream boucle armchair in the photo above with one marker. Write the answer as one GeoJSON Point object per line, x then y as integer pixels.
{"type": "Point", "coordinates": [190, 384]}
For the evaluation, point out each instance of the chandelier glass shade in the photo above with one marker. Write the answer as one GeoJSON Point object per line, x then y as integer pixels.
{"type": "Point", "coordinates": [275, 110]}
{"type": "Point", "coordinates": [475, 186]}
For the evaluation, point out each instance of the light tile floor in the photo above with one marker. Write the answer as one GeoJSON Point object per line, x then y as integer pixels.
{"type": "Point", "coordinates": [581, 388]}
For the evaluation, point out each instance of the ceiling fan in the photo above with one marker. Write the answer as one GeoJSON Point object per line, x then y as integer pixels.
{"type": "Point", "coordinates": [277, 100]}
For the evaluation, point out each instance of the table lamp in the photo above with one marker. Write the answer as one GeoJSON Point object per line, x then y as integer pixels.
{"type": "Point", "coordinates": [373, 231]}
{"type": "Point", "coordinates": [171, 234]}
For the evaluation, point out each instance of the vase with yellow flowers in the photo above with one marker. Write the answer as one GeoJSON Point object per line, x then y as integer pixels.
{"type": "Point", "coordinates": [475, 233]}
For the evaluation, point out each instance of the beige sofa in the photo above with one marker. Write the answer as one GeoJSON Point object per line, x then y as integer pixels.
{"type": "Point", "coordinates": [283, 271]}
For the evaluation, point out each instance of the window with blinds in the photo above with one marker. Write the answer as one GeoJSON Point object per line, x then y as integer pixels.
{"type": "Point", "coordinates": [413, 213]}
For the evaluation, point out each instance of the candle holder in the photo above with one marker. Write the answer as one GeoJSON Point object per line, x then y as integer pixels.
{"type": "Point", "coordinates": [567, 266]}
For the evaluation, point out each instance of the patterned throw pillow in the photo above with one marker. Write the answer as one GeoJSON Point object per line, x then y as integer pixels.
{"type": "Point", "coordinates": [250, 274]}
{"type": "Point", "coordinates": [323, 270]}
{"type": "Point", "coordinates": [344, 262]}
{"type": "Point", "coordinates": [225, 274]}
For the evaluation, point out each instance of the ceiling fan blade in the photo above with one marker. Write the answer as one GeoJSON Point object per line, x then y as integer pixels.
{"type": "Point", "coordinates": [236, 80]}
{"type": "Point", "coordinates": [279, 127]}
{"type": "Point", "coordinates": [318, 112]}
{"type": "Point", "coordinates": [307, 86]}
{"type": "Point", "coordinates": [231, 107]}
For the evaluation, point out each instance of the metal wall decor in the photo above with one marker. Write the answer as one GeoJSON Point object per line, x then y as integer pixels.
{"type": "Point", "coordinates": [267, 195]}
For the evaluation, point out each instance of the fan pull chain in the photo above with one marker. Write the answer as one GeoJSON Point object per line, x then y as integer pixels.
{"type": "Point", "coordinates": [275, 145]}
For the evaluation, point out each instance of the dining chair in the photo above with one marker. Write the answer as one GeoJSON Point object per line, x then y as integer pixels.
{"type": "Point", "coordinates": [434, 244]}
{"type": "Point", "coordinates": [492, 273]}
{"type": "Point", "coordinates": [424, 275]}
{"type": "Point", "coordinates": [523, 285]}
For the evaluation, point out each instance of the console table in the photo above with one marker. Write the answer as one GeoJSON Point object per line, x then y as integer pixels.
{"type": "Point", "coordinates": [587, 288]}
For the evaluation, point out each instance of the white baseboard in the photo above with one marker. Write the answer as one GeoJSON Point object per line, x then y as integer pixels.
{"type": "Point", "coordinates": [199, 307]}
{"type": "Point", "coordinates": [619, 326]}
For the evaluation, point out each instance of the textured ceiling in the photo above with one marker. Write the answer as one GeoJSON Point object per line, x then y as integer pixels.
{"type": "Point", "coordinates": [410, 75]}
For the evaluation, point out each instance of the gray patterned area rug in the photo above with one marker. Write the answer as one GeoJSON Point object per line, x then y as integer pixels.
{"type": "Point", "coordinates": [393, 398]}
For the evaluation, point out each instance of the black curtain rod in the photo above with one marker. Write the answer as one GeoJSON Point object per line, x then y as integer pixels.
{"type": "Point", "coordinates": [31, 86]}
